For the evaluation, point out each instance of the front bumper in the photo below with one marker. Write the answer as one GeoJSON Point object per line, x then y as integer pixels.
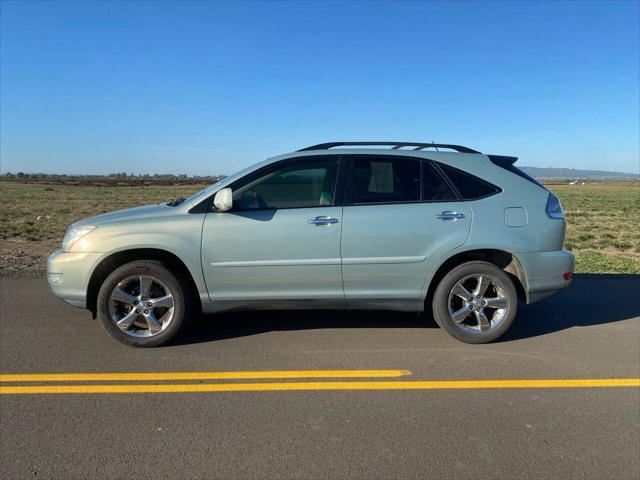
{"type": "Point", "coordinates": [545, 272]}
{"type": "Point", "coordinates": [68, 274]}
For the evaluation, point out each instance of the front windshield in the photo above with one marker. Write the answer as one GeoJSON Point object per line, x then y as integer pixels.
{"type": "Point", "coordinates": [200, 195]}
{"type": "Point", "coordinates": [192, 198]}
{"type": "Point", "coordinates": [205, 191]}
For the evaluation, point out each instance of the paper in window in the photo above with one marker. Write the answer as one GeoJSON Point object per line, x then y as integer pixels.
{"type": "Point", "coordinates": [381, 177]}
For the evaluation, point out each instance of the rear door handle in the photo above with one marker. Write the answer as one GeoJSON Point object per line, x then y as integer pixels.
{"type": "Point", "coordinates": [323, 220]}
{"type": "Point", "coordinates": [449, 215]}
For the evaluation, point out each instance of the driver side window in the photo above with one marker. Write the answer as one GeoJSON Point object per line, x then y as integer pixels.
{"type": "Point", "coordinates": [307, 182]}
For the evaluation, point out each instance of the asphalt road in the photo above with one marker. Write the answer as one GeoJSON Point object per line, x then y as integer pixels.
{"type": "Point", "coordinates": [591, 331]}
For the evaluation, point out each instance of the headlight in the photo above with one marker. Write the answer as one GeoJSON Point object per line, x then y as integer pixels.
{"type": "Point", "coordinates": [74, 234]}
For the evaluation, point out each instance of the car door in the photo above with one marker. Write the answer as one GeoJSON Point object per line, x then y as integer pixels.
{"type": "Point", "coordinates": [400, 216]}
{"type": "Point", "coordinates": [281, 239]}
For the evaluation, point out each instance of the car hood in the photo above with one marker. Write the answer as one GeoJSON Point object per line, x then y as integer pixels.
{"type": "Point", "coordinates": [128, 214]}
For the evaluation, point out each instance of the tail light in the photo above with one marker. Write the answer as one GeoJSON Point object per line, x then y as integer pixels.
{"type": "Point", "coordinates": [554, 207]}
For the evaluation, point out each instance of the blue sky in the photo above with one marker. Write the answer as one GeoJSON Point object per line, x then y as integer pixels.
{"type": "Point", "coordinates": [210, 87]}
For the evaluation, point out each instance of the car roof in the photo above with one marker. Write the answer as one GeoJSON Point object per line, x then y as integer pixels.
{"type": "Point", "coordinates": [430, 154]}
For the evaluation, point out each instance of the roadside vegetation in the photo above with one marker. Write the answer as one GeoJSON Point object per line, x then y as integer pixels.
{"type": "Point", "coordinates": [603, 218]}
{"type": "Point", "coordinates": [602, 225]}
{"type": "Point", "coordinates": [34, 216]}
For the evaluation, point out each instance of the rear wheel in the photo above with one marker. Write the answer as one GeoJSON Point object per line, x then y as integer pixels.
{"type": "Point", "coordinates": [142, 304]}
{"type": "Point", "coordinates": [476, 302]}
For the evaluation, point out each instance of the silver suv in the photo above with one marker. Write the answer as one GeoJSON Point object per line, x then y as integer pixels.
{"type": "Point", "coordinates": [344, 225]}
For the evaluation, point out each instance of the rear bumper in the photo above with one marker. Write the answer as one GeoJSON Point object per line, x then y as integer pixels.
{"type": "Point", "coordinates": [68, 275]}
{"type": "Point", "coordinates": [545, 272]}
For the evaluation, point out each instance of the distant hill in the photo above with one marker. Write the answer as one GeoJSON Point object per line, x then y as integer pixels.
{"type": "Point", "coordinates": [573, 173]}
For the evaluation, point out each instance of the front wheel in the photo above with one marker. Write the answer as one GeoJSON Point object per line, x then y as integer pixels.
{"type": "Point", "coordinates": [142, 304]}
{"type": "Point", "coordinates": [476, 302]}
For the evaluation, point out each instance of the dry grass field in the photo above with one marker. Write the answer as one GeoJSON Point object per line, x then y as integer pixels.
{"type": "Point", "coordinates": [603, 220]}
{"type": "Point", "coordinates": [34, 216]}
{"type": "Point", "coordinates": [603, 225]}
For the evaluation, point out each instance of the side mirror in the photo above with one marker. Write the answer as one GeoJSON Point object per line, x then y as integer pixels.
{"type": "Point", "coordinates": [223, 200]}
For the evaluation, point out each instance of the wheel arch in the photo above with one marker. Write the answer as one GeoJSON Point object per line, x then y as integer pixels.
{"type": "Point", "coordinates": [117, 259]}
{"type": "Point", "coordinates": [506, 261]}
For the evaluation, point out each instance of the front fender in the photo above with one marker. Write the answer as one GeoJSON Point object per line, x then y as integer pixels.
{"type": "Point", "coordinates": [180, 235]}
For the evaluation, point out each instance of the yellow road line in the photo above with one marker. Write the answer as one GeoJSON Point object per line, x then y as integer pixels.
{"type": "Point", "coordinates": [284, 386]}
{"type": "Point", "coordinates": [90, 377]}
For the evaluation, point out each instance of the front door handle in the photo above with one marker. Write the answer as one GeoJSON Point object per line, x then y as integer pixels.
{"type": "Point", "coordinates": [323, 220]}
{"type": "Point", "coordinates": [449, 215]}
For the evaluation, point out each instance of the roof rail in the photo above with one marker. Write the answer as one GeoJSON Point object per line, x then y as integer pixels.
{"type": "Point", "coordinates": [395, 146]}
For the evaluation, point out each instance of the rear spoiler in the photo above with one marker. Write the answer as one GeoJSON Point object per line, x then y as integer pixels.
{"type": "Point", "coordinates": [502, 161]}
{"type": "Point", "coordinates": [508, 164]}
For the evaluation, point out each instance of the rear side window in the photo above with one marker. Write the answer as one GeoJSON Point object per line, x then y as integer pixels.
{"type": "Point", "coordinates": [434, 186]}
{"type": "Point", "coordinates": [469, 186]}
{"type": "Point", "coordinates": [385, 180]}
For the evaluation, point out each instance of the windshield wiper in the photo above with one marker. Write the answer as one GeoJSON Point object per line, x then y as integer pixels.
{"type": "Point", "coordinates": [176, 202]}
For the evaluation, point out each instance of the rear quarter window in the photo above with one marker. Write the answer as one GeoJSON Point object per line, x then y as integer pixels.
{"type": "Point", "coordinates": [434, 186]}
{"type": "Point", "coordinates": [469, 186]}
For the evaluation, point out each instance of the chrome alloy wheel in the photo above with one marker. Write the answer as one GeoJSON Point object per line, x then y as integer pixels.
{"type": "Point", "coordinates": [141, 306]}
{"type": "Point", "coordinates": [477, 303]}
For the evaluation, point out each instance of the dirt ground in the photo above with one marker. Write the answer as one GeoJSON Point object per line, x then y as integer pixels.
{"type": "Point", "coordinates": [25, 259]}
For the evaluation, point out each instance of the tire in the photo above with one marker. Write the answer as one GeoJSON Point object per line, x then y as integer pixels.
{"type": "Point", "coordinates": [143, 323]}
{"type": "Point", "coordinates": [483, 322]}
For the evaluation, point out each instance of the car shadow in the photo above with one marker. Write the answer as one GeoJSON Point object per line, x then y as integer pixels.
{"type": "Point", "coordinates": [590, 300]}
{"type": "Point", "coordinates": [223, 326]}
